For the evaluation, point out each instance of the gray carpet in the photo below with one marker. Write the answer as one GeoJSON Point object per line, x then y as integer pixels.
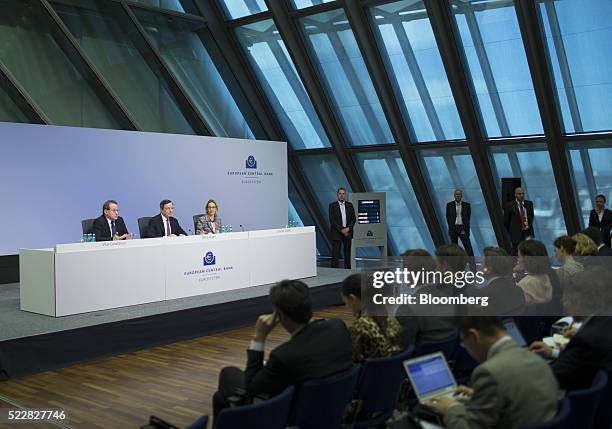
{"type": "Point", "coordinates": [15, 323]}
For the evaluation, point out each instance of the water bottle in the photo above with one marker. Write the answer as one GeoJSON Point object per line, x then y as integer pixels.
{"type": "Point", "coordinates": [231, 229]}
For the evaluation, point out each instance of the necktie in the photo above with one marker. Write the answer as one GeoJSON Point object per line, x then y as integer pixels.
{"type": "Point", "coordinates": [167, 228]}
{"type": "Point", "coordinates": [113, 229]}
{"type": "Point", "coordinates": [523, 218]}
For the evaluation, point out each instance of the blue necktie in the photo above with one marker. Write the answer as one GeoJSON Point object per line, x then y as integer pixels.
{"type": "Point", "coordinates": [113, 229]}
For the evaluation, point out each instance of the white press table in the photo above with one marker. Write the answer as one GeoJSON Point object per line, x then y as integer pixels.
{"type": "Point", "coordinates": [82, 277]}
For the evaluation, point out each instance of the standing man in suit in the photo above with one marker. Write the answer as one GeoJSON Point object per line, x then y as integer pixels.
{"type": "Point", "coordinates": [110, 226]}
{"type": "Point", "coordinates": [164, 224]}
{"type": "Point", "coordinates": [518, 219]}
{"type": "Point", "coordinates": [511, 388]}
{"type": "Point", "coordinates": [342, 220]}
{"type": "Point", "coordinates": [458, 215]}
{"type": "Point", "coordinates": [601, 218]}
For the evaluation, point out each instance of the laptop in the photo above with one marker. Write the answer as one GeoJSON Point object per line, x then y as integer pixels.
{"type": "Point", "coordinates": [430, 376]}
{"type": "Point", "coordinates": [514, 332]}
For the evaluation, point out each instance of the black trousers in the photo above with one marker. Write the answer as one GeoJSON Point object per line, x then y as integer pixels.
{"type": "Point", "coordinates": [524, 234]}
{"type": "Point", "coordinates": [456, 234]}
{"type": "Point", "coordinates": [336, 244]}
{"type": "Point", "coordinates": [231, 383]}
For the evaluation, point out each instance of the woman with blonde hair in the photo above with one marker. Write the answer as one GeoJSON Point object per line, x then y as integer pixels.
{"type": "Point", "coordinates": [584, 245]}
{"type": "Point", "coordinates": [210, 223]}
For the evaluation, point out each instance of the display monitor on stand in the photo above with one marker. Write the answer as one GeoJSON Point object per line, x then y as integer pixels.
{"type": "Point", "coordinates": [371, 227]}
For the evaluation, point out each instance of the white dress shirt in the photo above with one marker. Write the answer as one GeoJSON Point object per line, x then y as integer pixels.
{"type": "Point", "coordinates": [600, 214]}
{"type": "Point", "coordinates": [166, 221]}
{"type": "Point", "coordinates": [458, 220]}
{"type": "Point", "coordinates": [519, 204]}
{"type": "Point", "coordinates": [343, 212]}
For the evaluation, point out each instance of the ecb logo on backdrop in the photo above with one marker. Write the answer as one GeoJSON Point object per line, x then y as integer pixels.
{"type": "Point", "coordinates": [370, 233]}
{"type": "Point", "coordinates": [251, 162]}
{"type": "Point", "coordinates": [210, 259]}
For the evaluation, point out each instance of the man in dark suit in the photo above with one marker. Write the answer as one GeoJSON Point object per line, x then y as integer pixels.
{"type": "Point", "coordinates": [601, 218]}
{"type": "Point", "coordinates": [164, 224]}
{"type": "Point", "coordinates": [316, 349]}
{"type": "Point", "coordinates": [590, 348]}
{"type": "Point", "coordinates": [342, 220]}
{"type": "Point", "coordinates": [518, 219]}
{"type": "Point", "coordinates": [458, 215]}
{"type": "Point", "coordinates": [110, 226]}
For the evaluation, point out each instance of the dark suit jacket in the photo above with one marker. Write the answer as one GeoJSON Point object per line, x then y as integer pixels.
{"type": "Point", "coordinates": [505, 297]}
{"type": "Point", "coordinates": [604, 226]}
{"type": "Point", "coordinates": [512, 219]}
{"type": "Point", "coordinates": [589, 351]}
{"type": "Point", "coordinates": [102, 230]}
{"type": "Point", "coordinates": [604, 251]}
{"type": "Point", "coordinates": [323, 348]}
{"type": "Point", "coordinates": [158, 229]}
{"type": "Point", "coordinates": [451, 215]}
{"type": "Point", "coordinates": [335, 220]}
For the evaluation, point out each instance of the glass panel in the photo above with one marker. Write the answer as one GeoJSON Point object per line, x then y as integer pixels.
{"type": "Point", "coordinates": [592, 174]}
{"type": "Point", "coordinates": [9, 110]}
{"type": "Point", "coordinates": [578, 36]}
{"type": "Point", "coordinates": [40, 57]}
{"type": "Point", "coordinates": [385, 172]}
{"type": "Point", "coordinates": [181, 44]}
{"type": "Point", "coordinates": [113, 44]}
{"type": "Point", "coordinates": [238, 8]}
{"type": "Point", "coordinates": [533, 166]}
{"type": "Point", "coordinates": [282, 85]}
{"type": "Point", "coordinates": [498, 66]}
{"type": "Point", "coordinates": [187, 6]}
{"type": "Point", "coordinates": [301, 4]}
{"type": "Point", "coordinates": [413, 61]}
{"type": "Point", "coordinates": [451, 169]}
{"type": "Point", "coordinates": [299, 213]}
{"type": "Point", "coordinates": [325, 176]}
{"type": "Point", "coordinates": [346, 78]}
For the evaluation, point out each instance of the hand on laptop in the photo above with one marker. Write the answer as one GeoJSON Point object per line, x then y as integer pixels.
{"type": "Point", "coordinates": [463, 393]}
{"type": "Point", "coordinates": [542, 349]}
{"type": "Point", "coordinates": [440, 404]}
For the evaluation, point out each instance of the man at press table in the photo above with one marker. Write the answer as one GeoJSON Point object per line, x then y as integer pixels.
{"type": "Point", "coordinates": [110, 226]}
{"type": "Point", "coordinates": [164, 224]}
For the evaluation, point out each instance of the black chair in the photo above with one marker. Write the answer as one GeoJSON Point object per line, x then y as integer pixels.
{"type": "Point", "coordinates": [584, 402]}
{"type": "Point", "coordinates": [378, 389]}
{"type": "Point", "coordinates": [143, 226]}
{"type": "Point", "coordinates": [270, 414]}
{"type": "Point", "coordinates": [560, 421]}
{"type": "Point", "coordinates": [195, 222]}
{"type": "Point", "coordinates": [446, 346]}
{"type": "Point", "coordinates": [87, 226]}
{"type": "Point", "coordinates": [320, 404]}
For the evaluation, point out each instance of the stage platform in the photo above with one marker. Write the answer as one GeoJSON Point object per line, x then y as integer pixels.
{"type": "Point", "coordinates": [31, 343]}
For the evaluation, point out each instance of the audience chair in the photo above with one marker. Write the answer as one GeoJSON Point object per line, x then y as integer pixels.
{"type": "Point", "coordinates": [584, 402]}
{"type": "Point", "coordinates": [560, 421]}
{"type": "Point", "coordinates": [270, 414]}
{"type": "Point", "coordinates": [378, 388]}
{"type": "Point", "coordinates": [143, 226]}
{"type": "Point", "coordinates": [321, 404]}
{"type": "Point", "coordinates": [446, 346]}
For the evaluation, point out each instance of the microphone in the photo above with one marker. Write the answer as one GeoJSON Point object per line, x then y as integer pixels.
{"type": "Point", "coordinates": [242, 228]}
{"type": "Point", "coordinates": [190, 231]}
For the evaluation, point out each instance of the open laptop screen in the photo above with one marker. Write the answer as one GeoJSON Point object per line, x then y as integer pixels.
{"type": "Point", "coordinates": [429, 375]}
{"type": "Point", "coordinates": [514, 332]}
